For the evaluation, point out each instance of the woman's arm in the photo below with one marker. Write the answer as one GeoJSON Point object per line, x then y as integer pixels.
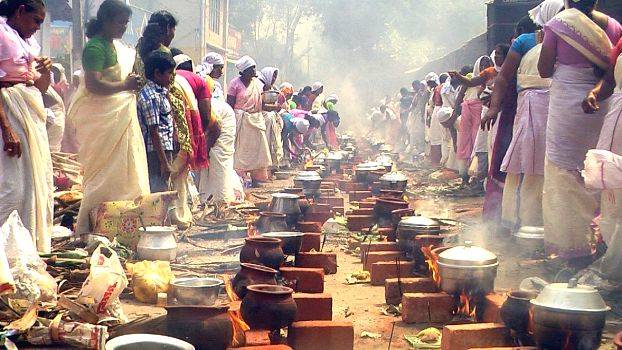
{"type": "Point", "coordinates": [96, 84]}
{"type": "Point", "coordinates": [231, 100]}
{"type": "Point", "coordinates": [548, 55]}
{"type": "Point", "coordinates": [602, 91]}
{"type": "Point", "coordinates": [469, 82]}
{"type": "Point", "coordinates": [44, 65]}
{"type": "Point", "coordinates": [508, 71]}
{"type": "Point", "coordinates": [12, 146]}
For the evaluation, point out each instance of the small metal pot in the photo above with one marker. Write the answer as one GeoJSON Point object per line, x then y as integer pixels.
{"type": "Point", "coordinates": [147, 341]}
{"type": "Point", "coordinates": [394, 181]}
{"type": "Point", "coordinates": [333, 162]}
{"type": "Point", "coordinates": [467, 268]}
{"type": "Point", "coordinates": [196, 290]}
{"type": "Point", "coordinates": [157, 243]}
{"type": "Point", "coordinates": [530, 238]}
{"type": "Point", "coordinates": [364, 170]}
{"type": "Point", "coordinates": [290, 241]}
{"type": "Point", "coordinates": [309, 181]}
{"type": "Point", "coordinates": [569, 313]}
{"type": "Point", "coordinates": [269, 222]}
{"type": "Point", "coordinates": [411, 226]}
{"type": "Point", "coordinates": [288, 204]}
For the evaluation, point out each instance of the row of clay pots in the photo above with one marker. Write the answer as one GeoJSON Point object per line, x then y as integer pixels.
{"type": "Point", "coordinates": [265, 251]}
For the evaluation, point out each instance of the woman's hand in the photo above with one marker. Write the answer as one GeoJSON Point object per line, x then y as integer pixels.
{"type": "Point", "coordinates": [131, 82]}
{"type": "Point", "coordinates": [44, 65]}
{"type": "Point", "coordinates": [12, 146]}
{"type": "Point", "coordinates": [489, 119]}
{"type": "Point", "coordinates": [590, 104]}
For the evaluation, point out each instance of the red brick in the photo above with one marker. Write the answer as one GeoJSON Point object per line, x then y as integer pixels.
{"type": "Point", "coordinates": [257, 337]}
{"type": "Point", "coordinates": [328, 185]}
{"type": "Point", "coordinates": [339, 210]}
{"type": "Point", "coordinates": [475, 335]}
{"type": "Point", "coordinates": [355, 186]}
{"type": "Point", "coordinates": [378, 247]}
{"type": "Point", "coordinates": [507, 348]}
{"type": "Point", "coordinates": [359, 195]}
{"type": "Point", "coordinates": [263, 347]}
{"type": "Point", "coordinates": [305, 280]}
{"type": "Point", "coordinates": [311, 241]}
{"type": "Point", "coordinates": [492, 308]}
{"type": "Point", "coordinates": [374, 257]}
{"type": "Point", "coordinates": [367, 204]}
{"type": "Point", "coordinates": [327, 261]}
{"type": "Point", "coordinates": [360, 222]}
{"type": "Point", "coordinates": [320, 217]}
{"type": "Point", "coordinates": [363, 211]}
{"type": "Point", "coordinates": [332, 201]}
{"type": "Point", "coordinates": [388, 232]}
{"type": "Point", "coordinates": [307, 226]}
{"type": "Point", "coordinates": [314, 335]}
{"type": "Point", "coordinates": [319, 208]}
{"type": "Point", "coordinates": [393, 291]}
{"type": "Point", "coordinates": [427, 308]}
{"type": "Point", "coordinates": [314, 307]}
{"type": "Point", "coordinates": [380, 271]}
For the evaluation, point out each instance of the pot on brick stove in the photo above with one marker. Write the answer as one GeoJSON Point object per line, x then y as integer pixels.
{"type": "Point", "coordinates": [268, 307]}
{"type": "Point", "coordinates": [333, 162]}
{"type": "Point", "coordinates": [263, 251]}
{"type": "Point", "coordinates": [394, 181]}
{"type": "Point", "coordinates": [467, 268]}
{"type": "Point", "coordinates": [288, 204]}
{"type": "Point", "coordinates": [269, 222]}
{"type": "Point", "coordinates": [386, 162]}
{"type": "Point", "coordinates": [309, 181]}
{"type": "Point", "coordinates": [411, 226]}
{"type": "Point", "coordinates": [569, 316]}
{"type": "Point", "coordinates": [250, 274]}
{"type": "Point", "coordinates": [363, 171]}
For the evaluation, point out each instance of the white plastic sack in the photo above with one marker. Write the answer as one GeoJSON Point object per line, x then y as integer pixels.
{"type": "Point", "coordinates": [22, 272]}
{"type": "Point", "coordinates": [106, 280]}
{"type": "Point", "coordinates": [603, 170]}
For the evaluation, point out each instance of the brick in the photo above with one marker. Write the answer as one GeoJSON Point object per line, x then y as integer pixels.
{"type": "Point", "coordinates": [378, 247]}
{"type": "Point", "coordinates": [380, 271]}
{"type": "Point", "coordinates": [360, 222]}
{"type": "Point", "coordinates": [332, 201]}
{"type": "Point", "coordinates": [475, 335]}
{"type": "Point", "coordinates": [257, 337]}
{"type": "Point", "coordinates": [311, 241]}
{"type": "Point", "coordinates": [305, 280]}
{"type": "Point", "coordinates": [355, 186]}
{"type": "Point", "coordinates": [315, 227]}
{"type": "Point", "coordinates": [359, 195]}
{"type": "Point", "coordinates": [508, 348]}
{"type": "Point", "coordinates": [320, 217]}
{"type": "Point", "coordinates": [374, 257]}
{"type": "Point", "coordinates": [314, 335]}
{"type": "Point", "coordinates": [327, 261]}
{"type": "Point", "coordinates": [319, 208]}
{"type": "Point", "coordinates": [363, 211]}
{"type": "Point", "coordinates": [314, 306]}
{"type": "Point", "coordinates": [339, 210]}
{"type": "Point", "coordinates": [264, 347]}
{"type": "Point", "coordinates": [427, 308]}
{"type": "Point", "coordinates": [492, 308]}
{"type": "Point", "coordinates": [393, 291]}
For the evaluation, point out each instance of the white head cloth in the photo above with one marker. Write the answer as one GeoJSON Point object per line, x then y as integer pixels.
{"type": "Point", "coordinates": [182, 58]}
{"type": "Point", "coordinates": [266, 74]}
{"type": "Point", "coordinates": [477, 66]}
{"type": "Point", "coordinates": [301, 124]}
{"type": "Point", "coordinates": [244, 63]}
{"type": "Point", "coordinates": [332, 98]}
{"type": "Point", "coordinates": [546, 11]}
{"type": "Point", "coordinates": [316, 86]}
{"type": "Point", "coordinates": [209, 61]}
{"type": "Point", "coordinates": [432, 77]}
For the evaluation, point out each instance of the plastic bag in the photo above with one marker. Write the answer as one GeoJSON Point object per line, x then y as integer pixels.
{"type": "Point", "coordinates": [106, 280]}
{"type": "Point", "coordinates": [150, 278]}
{"type": "Point", "coordinates": [603, 170]}
{"type": "Point", "coordinates": [28, 279]}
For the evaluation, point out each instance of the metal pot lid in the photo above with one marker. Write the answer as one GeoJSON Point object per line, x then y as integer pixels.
{"type": "Point", "coordinates": [467, 255]}
{"type": "Point", "coordinates": [157, 229]}
{"type": "Point", "coordinates": [369, 166]}
{"type": "Point", "coordinates": [384, 160]}
{"type": "Point", "coordinates": [419, 222]}
{"type": "Point", "coordinates": [334, 156]}
{"type": "Point", "coordinates": [285, 196]}
{"type": "Point", "coordinates": [307, 176]}
{"type": "Point", "coordinates": [394, 176]}
{"type": "Point", "coordinates": [571, 296]}
{"type": "Point", "coordinates": [530, 232]}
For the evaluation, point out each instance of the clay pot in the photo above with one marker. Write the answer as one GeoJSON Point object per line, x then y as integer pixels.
{"type": "Point", "coordinates": [252, 274]}
{"type": "Point", "coordinates": [268, 307]}
{"type": "Point", "coordinates": [313, 227]}
{"type": "Point", "coordinates": [515, 310]}
{"type": "Point", "coordinates": [263, 251]}
{"type": "Point", "coordinates": [271, 222]}
{"type": "Point", "coordinates": [205, 327]}
{"type": "Point", "coordinates": [384, 207]}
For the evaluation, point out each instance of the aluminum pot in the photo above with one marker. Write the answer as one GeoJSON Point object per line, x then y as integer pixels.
{"type": "Point", "coordinates": [269, 221]}
{"type": "Point", "coordinates": [147, 342]}
{"type": "Point", "coordinates": [157, 243]}
{"type": "Point", "coordinates": [309, 181]}
{"type": "Point", "coordinates": [530, 238]}
{"type": "Point", "coordinates": [288, 204]}
{"type": "Point", "coordinates": [569, 313]}
{"type": "Point", "coordinates": [411, 226]}
{"type": "Point", "coordinates": [333, 162]}
{"type": "Point", "coordinates": [196, 290]}
{"type": "Point", "coordinates": [290, 241]}
{"type": "Point", "coordinates": [364, 170]}
{"type": "Point", "coordinates": [467, 268]}
{"type": "Point", "coordinates": [394, 181]}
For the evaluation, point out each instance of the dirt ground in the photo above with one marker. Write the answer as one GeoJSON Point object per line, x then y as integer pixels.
{"type": "Point", "coordinates": [361, 304]}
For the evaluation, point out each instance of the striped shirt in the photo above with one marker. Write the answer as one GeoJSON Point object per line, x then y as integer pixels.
{"type": "Point", "coordinates": [154, 109]}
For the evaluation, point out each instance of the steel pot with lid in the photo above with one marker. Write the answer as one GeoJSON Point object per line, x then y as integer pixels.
{"type": "Point", "coordinates": [467, 268]}
{"type": "Point", "coordinates": [569, 313]}
{"type": "Point", "coordinates": [363, 170]}
{"type": "Point", "coordinates": [309, 181]}
{"type": "Point", "coordinates": [395, 181]}
{"type": "Point", "coordinates": [386, 161]}
{"type": "Point", "coordinates": [411, 226]}
{"type": "Point", "coordinates": [288, 204]}
{"type": "Point", "coordinates": [333, 160]}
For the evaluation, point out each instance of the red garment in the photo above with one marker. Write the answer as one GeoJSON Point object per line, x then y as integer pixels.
{"type": "Point", "coordinates": [195, 125]}
{"type": "Point", "coordinates": [615, 53]}
{"type": "Point", "coordinates": [436, 98]}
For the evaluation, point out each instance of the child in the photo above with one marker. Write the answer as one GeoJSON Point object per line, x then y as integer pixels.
{"type": "Point", "coordinates": [154, 113]}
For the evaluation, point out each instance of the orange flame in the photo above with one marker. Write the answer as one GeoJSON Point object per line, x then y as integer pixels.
{"type": "Point", "coordinates": [465, 306]}
{"type": "Point", "coordinates": [239, 326]}
{"type": "Point", "coordinates": [432, 260]}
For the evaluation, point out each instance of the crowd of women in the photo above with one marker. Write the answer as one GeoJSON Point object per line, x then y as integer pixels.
{"type": "Point", "coordinates": [536, 126]}
{"type": "Point", "coordinates": [145, 122]}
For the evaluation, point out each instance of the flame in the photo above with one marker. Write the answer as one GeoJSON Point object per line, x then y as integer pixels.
{"type": "Point", "coordinates": [465, 306]}
{"type": "Point", "coordinates": [432, 260]}
{"type": "Point", "coordinates": [239, 326]}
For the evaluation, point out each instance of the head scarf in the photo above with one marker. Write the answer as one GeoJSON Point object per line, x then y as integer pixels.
{"type": "Point", "coordinates": [316, 86]}
{"type": "Point", "coordinates": [182, 58]}
{"type": "Point", "coordinates": [301, 124]}
{"type": "Point", "coordinates": [494, 62]}
{"type": "Point", "coordinates": [546, 11]}
{"type": "Point", "coordinates": [444, 114]}
{"type": "Point", "coordinates": [266, 74]}
{"type": "Point", "coordinates": [286, 88]}
{"type": "Point", "coordinates": [244, 63]}
{"type": "Point", "coordinates": [209, 61]}
{"type": "Point", "coordinates": [476, 66]}
{"type": "Point", "coordinates": [432, 77]}
{"type": "Point", "coordinates": [332, 98]}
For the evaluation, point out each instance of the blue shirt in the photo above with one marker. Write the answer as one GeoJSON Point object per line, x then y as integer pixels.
{"type": "Point", "coordinates": [522, 45]}
{"type": "Point", "coordinates": [154, 109]}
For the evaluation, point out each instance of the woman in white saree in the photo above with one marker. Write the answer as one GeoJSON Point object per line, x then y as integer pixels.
{"type": "Point", "coordinates": [103, 111]}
